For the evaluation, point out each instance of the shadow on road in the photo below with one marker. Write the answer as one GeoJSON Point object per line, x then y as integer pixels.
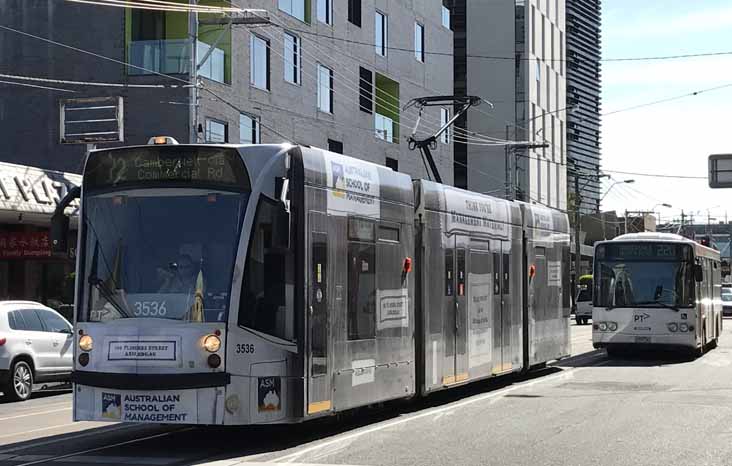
{"type": "Point", "coordinates": [40, 393]}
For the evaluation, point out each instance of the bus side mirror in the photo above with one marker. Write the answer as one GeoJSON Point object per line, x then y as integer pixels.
{"type": "Point", "coordinates": [698, 273]}
{"type": "Point", "coordinates": [59, 233]}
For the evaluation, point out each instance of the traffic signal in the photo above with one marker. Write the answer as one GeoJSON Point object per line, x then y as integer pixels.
{"type": "Point", "coordinates": [705, 240]}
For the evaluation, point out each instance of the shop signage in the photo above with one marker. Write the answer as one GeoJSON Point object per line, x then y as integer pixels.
{"type": "Point", "coordinates": [28, 189]}
{"type": "Point", "coordinates": [24, 245]}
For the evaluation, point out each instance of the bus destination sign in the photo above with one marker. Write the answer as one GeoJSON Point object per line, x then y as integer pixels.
{"type": "Point", "coordinates": [643, 250]}
{"type": "Point", "coordinates": [166, 164]}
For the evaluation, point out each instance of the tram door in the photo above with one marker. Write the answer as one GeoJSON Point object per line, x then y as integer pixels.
{"type": "Point", "coordinates": [502, 305]}
{"type": "Point", "coordinates": [455, 322]}
{"type": "Point", "coordinates": [319, 390]}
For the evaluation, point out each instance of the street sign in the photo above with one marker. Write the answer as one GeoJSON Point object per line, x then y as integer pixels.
{"type": "Point", "coordinates": [720, 171]}
{"type": "Point", "coordinates": [92, 120]}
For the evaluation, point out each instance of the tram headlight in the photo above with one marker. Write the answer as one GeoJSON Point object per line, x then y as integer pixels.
{"type": "Point", "coordinates": [86, 342]}
{"type": "Point", "coordinates": [673, 326]}
{"type": "Point", "coordinates": [211, 343]}
{"type": "Point", "coordinates": [684, 327]}
{"type": "Point", "coordinates": [603, 326]}
{"type": "Point", "coordinates": [612, 326]}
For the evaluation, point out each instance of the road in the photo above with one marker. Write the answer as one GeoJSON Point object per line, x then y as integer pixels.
{"type": "Point", "coordinates": [584, 410]}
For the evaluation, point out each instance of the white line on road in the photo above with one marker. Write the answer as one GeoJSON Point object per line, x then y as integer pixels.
{"type": "Point", "coordinates": [91, 450]}
{"type": "Point", "coordinates": [450, 407]}
{"type": "Point", "coordinates": [18, 434]}
{"type": "Point", "coordinates": [70, 437]}
{"type": "Point", "coordinates": [68, 408]}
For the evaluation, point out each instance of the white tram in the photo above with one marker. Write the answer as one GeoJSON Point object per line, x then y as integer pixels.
{"type": "Point", "coordinates": [235, 285]}
{"type": "Point", "coordinates": [656, 290]}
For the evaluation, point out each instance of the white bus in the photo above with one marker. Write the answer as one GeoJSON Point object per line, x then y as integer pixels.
{"type": "Point", "coordinates": [656, 290]}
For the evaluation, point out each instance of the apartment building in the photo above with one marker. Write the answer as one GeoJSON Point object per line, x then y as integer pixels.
{"type": "Point", "coordinates": [511, 53]}
{"type": "Point", "coordinates": [326, 73]}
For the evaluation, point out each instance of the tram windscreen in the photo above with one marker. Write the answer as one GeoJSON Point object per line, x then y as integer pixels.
{"type": "Point", "coordinates": [160, 253]}
{"type": "Point", "coordinates": [649, 275]}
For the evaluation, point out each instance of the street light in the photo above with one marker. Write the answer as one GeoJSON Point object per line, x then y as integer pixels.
{"type": "Point", "coordinates": [613, 185]}
{"type": "Point", "coordinates": [663, 204]}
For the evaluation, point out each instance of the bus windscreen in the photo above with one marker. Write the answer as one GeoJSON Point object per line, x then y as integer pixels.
{"type": "Point", "coordinates": [155, 165]}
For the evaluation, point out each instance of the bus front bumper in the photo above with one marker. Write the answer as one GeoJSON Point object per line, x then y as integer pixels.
{"type": "Point", "coordinates": [658, 341]}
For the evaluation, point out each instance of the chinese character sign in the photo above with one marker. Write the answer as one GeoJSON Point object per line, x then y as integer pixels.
{"type": "Point", "coordinates": [23, 245]}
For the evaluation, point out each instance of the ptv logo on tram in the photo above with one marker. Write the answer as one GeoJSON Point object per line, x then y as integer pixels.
{"type": "Point", "coordinates": [641, 317]}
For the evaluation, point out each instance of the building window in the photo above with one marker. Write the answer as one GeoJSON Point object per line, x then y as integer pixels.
{"type": "Point", "coordinates": [543, 37]}
{"type": "Point", "coordinates": [293, 59]}
{"type": "Point", "coordinates": [248, 129]}
{"type": "Point", "coordinates": [381, 33]}
{"type": "Point", "coordinates": [217, 132]}
{"type": "Point", "coordinates": [366, 90]}
{"type": "Point", "coordinates": [548, 89]}
{"type": "Point", "coordinates": [214, 68]}
{"type": "Point", "coordinates": [296, 8]}
{"type": "Point", "coordinates": [325, 89]}
{"type": "Point", "coordinates": [533, 29]}
{"type": "Point", "coordinates": [325, 11]}
{"type": "Point", "coordinates": [445, 16]}
{"type": "Point", "coordinates": [551, 38]}
{"type": "Point", "coordinates": [419, 42]}
{"type": "Point", "coordinates": [335, 146]}
{"type": "Point", "coordinates": [444, 118]}
{"type": "Point", "coordinates": [354, 12]}
{"type": "Point", "coordinates": [259, 63]}
{"type": "Point", "coordinates": [393, 164]}
{"type": "Point", "coordinates": [561, 52]}
{"type": "Point", "coordinates": [386, 109]}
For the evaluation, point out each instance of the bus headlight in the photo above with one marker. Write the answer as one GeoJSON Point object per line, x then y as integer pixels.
{"type": "Point", "coordinates": [211, 343]}
{"type": "Point", "coordinates": [673, 326]}
{"type": "Point", "coordinates": [86, 342]}
{"type": "Point", "coordinates": [612, 326]}
{"type": "Point", "coordinates": [684, 327]}
{"type": "Point", "coordinates": [603, 326]}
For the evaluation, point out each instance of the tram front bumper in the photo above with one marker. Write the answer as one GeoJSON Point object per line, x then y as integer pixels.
{"type": "Point", "coordinates": [167, 402]}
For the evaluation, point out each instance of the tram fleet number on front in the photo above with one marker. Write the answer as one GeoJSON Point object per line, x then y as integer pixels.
{"type": "Point", "coordinates": [244, 348]}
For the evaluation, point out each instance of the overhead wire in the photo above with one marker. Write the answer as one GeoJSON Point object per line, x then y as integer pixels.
{"type": "Point", "coordinates": [36, 86]}
{"type": "Point", "coordinates": [91, 83]}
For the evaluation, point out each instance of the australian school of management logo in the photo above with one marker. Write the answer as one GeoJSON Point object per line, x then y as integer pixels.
{"type": "Point", "coordinates": [112, 406]}
{"type": "Point", "coordinates": [339, 178]}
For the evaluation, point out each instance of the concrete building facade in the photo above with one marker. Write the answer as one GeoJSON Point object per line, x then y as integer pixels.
{"type": "Point", "coordinates": [583, 94]}
{"type": "Point", "coordinates": [512, 55]}
{"type": "Point", "coordinates": [326, 73]}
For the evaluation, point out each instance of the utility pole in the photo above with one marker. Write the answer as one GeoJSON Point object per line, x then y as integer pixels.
{"type": "Point", "coordinates": [193, 90]}
{"type": "Point", "coordinates": [577, 230]}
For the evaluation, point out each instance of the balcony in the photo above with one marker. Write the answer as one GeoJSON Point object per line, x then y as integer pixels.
{"type": "Point", "coordinates": [159, 56]}
{"type": "Point", "coordinates": [172, 56]}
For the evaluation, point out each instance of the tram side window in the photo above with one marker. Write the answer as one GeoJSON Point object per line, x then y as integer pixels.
{"type": "Point", "coordinates": [506, 274]}
{"type": "Point", "coordinates": [361, 280]}
{"type": "Point", "coordinates": [264, 302]}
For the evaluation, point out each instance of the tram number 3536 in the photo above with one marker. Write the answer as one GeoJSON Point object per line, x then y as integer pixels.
{"type": "Point", "coordinates": [244, 348]}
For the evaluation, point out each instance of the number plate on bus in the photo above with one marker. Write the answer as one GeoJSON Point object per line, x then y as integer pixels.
{"type": "Point", "coordinates": [642, 339]}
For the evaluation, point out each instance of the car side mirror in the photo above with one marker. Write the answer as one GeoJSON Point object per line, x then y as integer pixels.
{"type": "Point", "coordinates": [698, 273]}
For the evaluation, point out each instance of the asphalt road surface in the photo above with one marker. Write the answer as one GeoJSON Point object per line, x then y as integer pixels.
{"type": "Point", "coordinates": [588, 409]}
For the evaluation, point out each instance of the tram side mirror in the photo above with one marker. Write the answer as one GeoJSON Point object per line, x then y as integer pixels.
{"type": "Point", "coordinates": [282, 220]}
{"type": "Point", "coordinates": [698, 273]}
{"type": "Point", "coordinates": [59, 233]}
{"type": "Point", "coordinates": [60, 222]}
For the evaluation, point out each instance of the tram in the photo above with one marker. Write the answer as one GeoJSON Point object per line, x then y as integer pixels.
{"type": "Point", "coordinates": [656, 290]}
{"type": "Point", "coordinates": [234, 285]}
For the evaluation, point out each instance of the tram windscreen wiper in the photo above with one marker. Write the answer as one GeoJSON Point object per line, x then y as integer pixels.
{"type": "Point", "coordinates": [660, 303]}
{"type": "Point", "coordinates": [108, 294]}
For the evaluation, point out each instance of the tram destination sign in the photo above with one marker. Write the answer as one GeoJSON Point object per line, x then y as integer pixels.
{"type": "Point", "coordinates": [643, 251]}
{"type": "Point", "coordinates": [166, 164]}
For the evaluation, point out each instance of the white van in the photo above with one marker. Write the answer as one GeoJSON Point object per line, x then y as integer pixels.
{"type": "Point", "coordinates": [583, 305]}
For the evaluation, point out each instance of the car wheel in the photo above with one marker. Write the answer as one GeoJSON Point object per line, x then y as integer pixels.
{"type": "Point", "coordinates": [20, 385]}
{"type": "Point", "coordinates": [578, 320]}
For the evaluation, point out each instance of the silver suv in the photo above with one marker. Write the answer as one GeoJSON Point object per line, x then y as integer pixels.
{"type": "Point", "coordinates": [36, 345]}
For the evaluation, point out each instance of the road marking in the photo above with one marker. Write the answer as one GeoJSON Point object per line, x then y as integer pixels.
{"type": "Point", "coordinates": [91, 450]}
{"type": "Point", "coordinates": [68, 408]}
{"type": "Point", "coordinates": [17, 434]}
{"type": "Point", "coordinates": [154, 461]}
{"type": "Point", "coordinates": [452, 406]}
{"type": "Point", "coordinates": [69, 437]}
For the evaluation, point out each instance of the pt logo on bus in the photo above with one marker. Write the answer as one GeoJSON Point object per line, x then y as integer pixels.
{"type": "Point", "coordinates": [641, 317]}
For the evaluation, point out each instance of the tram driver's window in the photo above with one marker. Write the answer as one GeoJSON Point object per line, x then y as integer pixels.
{"type": "Point", "coordinates": [267, 277]}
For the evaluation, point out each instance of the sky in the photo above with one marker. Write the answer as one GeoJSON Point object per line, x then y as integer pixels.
{"type": "Point", "coordinates": [676, 137]}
